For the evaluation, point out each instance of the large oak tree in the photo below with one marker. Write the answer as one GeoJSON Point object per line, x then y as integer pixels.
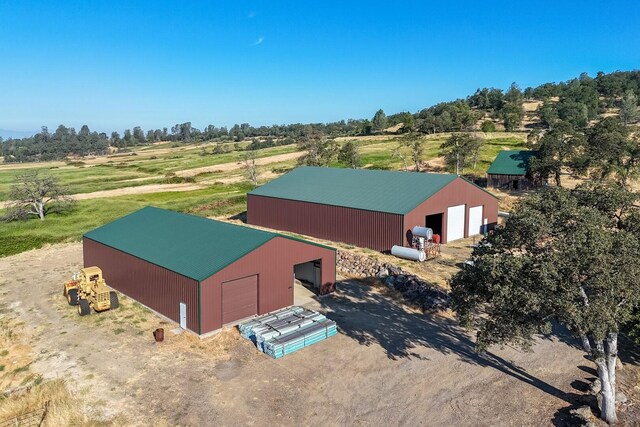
{"type": "Point", "coordinates": [564, 256]}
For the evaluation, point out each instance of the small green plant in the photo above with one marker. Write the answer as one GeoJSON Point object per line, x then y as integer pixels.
{"type": "Point", "coordinates": [172, 178]}
{"type": "Point", "coordinates": [1, 368]}
{"type": "Point", "coordinates": [22, 369]}
{"type": "Point", "coordinates": [118, 331]}
{"type": "Point", "coordinates": [4, 353]}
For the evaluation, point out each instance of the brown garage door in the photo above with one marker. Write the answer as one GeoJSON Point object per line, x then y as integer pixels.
{"type": "Point", "coordinates": [239, 298]}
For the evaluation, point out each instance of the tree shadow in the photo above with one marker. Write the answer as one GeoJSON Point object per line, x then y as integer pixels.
{"type": "Point", "coordinates": [564, 335]}
{"type": "Point", "coordinates": [371, 318]}
{"type": "Point", "coordinates": [628, 350]}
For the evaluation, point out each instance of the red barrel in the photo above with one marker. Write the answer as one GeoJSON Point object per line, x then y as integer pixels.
{"type": "Point", "coordinates": [158, 334]}
{"type": "Point", "coordinates": [436, 239]}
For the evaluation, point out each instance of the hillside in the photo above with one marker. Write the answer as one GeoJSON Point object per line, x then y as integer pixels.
{"type": "Point", "coordinates": [580, 102]}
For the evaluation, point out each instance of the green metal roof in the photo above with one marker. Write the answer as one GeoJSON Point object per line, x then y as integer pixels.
{"type": "Point", "coordinates": [375, 190]}
{"type": "Point", "coordinates": [511, 162]}
{"type": "Point", "coordinates": [189, 245]}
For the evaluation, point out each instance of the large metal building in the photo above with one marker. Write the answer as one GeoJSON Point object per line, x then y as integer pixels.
{"type": "Point", "coordinates": [203, 273]}
{"type": "Point", "coordinates": [371, 208]}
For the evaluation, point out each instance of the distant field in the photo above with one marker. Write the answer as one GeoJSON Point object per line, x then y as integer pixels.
{"type": "Point", "coordinates": [222, 191]}
{"type": "Point", "coordinates": [216, 200]}
{"type": "Point", "coordinates": [377, 154]}
{"type": "Point", "coordinates": [129, 171]}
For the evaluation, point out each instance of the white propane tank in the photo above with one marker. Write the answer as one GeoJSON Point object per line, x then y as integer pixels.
{"type": "Point", "coordinates": [425, 232]}
{"type": "Point", "coordinates": [408, 253]}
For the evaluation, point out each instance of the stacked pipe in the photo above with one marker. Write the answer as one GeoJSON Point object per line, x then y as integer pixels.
{"type": "Point", "coordinates": [286, 331]}
{"type": "Point", "coordinates": [288, 343]}
{"type": "Point", "coordinates": [246, 328]}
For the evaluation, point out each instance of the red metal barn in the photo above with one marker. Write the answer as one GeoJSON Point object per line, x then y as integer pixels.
{"type": "Point", "coordinates": [203, 273]}
{"type": "Point", "coordinates": [371, 208]}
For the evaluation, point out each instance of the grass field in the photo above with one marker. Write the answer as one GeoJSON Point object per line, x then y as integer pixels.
{"type": "Point", "coordinates": [120, 172]}
{"type": "Point", "coordinates": [216, 200]}
{"type": "Point", "coordinates": [377, 154]}
{"type": "Point", "coordinates": [221, 192]}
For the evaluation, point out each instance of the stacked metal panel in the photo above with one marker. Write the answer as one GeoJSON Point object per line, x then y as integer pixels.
{"type": "Point", "coordinates": [286, 331]}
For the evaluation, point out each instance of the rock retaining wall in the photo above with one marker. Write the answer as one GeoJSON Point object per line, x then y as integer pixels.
{"type": "Point", "coordinates": [414, 289]}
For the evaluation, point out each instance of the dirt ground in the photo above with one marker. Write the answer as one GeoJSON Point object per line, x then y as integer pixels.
{"type": "Point", "coordinates": [386, 366]}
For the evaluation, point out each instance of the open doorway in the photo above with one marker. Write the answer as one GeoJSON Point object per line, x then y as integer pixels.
{"type": "Point", "coordinates": [434, 222]}
{"type": "Point", "coordinates": [307, 279]}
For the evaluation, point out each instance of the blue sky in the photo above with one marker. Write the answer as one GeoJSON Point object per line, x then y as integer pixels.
{"type": "Point", "coordinates": [119, 64]}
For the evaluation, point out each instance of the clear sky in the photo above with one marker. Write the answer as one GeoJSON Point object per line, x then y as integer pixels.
{"type": "Point", "coordinates": [118, 64]}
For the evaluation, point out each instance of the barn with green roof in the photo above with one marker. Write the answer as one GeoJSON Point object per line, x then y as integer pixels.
{"type": "Point", "coordinates": [204, 273]}
{"type": "Point", "coordinates": [510, 170]}
{"type": "Point", "coordinates": [371, 208]}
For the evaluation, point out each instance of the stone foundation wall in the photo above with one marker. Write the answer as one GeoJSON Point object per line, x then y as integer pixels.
{"type": "Point", "coordinates": [415, 290]}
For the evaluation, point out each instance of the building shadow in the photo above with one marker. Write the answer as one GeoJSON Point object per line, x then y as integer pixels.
{"type": "Point", "coordinates": [242, 216]}
{"type": "Point", "coordinates": [370, 318]}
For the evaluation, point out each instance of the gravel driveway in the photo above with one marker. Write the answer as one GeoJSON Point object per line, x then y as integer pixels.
{"type": "Point", "coordinates": [387, 366]}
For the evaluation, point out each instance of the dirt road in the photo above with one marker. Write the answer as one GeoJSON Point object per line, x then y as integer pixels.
{"type": "Point", "coordinates": [387, 366]}
{"type": "Point", "coordinates": [224, 167]}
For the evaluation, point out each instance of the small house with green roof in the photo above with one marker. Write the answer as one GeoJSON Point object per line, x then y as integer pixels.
{"type": "Point", "coordinates": [202, 273]}
{"type": "Point", "coordinates": [374, 209]}
{"type": "Point", "coordinates": [510, 171]}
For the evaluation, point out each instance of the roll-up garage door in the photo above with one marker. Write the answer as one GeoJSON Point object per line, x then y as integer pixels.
{"type": "Point", "coordinates": [455, 222]}
{"type": "Point", "coordinates": [475, 220]}
{"type": "Point", "coordinates": [239, 298]}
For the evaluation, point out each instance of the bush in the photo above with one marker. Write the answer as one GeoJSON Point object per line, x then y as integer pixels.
{"type": "Point", "coordinates": [172, 178]}
{"type": "Point", "coordinates": [280, 170]}
{"type": "Point", "coordinates": [488, 126]}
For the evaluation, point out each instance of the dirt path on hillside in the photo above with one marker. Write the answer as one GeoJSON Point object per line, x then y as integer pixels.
{"type": "Point", "coordinates": [224, 167]}
{"type": "Point", "coordinates": [387, 366]}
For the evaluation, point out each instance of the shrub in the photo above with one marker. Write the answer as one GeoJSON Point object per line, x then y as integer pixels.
{"type": "Point", "coordinates": [172, 178]}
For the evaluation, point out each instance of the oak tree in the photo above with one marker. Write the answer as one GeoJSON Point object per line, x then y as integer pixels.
{"type": "Point", "coordinates": [350, 155]}
{"type": "Point", "coordinates": [36, 194]}
{"type": "Point", "coordinates": [566, 257]}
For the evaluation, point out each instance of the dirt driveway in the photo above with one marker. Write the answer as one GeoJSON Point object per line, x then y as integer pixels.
{"type": "Point", "coordinates": [387, 366]}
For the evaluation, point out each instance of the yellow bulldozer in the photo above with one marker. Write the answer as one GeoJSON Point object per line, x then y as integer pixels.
{"type": "Point", "coordinates": [88, 290]}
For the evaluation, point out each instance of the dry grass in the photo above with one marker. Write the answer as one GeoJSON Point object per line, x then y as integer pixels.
{"type": "Point", "coordinates": [506, 201]}
{"type": "Point", "coordinates": [63, 408]}
{"type": "Point", "coordinates": [23, 391]}
{"type": "Point", "coordinates": [15, 354]}
{"type": "Point", "coordinates": [214, 348]}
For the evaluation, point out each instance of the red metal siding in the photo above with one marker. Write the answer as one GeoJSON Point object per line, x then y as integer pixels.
{"type": "Point", "coordinates": [156, 287]}
{"type": "Point", "coordinates": [458, 192]}
{"type": "Point", "coordinates": [273, 263]}
{"type": "Point", "coordinates": [368, 229]}
{"type": "Point", "coordinates": [239, 298]}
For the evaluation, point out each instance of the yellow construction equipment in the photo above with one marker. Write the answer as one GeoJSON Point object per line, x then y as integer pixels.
{"type": "Point", "coordinates": [88, 290]}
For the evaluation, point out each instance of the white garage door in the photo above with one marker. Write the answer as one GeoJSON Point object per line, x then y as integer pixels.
{"type": "Point", "coordinates": [455, 222]}
{"type": "Point", "coordinates": [475, 220]}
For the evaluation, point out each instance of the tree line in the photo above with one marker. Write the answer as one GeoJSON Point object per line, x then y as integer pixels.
{"type": "Point", "coordinates": [577, 101]}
